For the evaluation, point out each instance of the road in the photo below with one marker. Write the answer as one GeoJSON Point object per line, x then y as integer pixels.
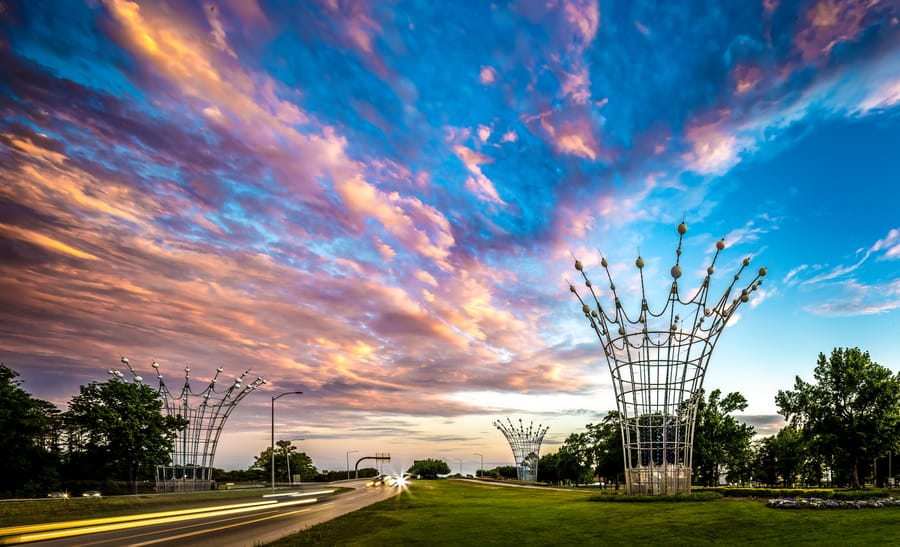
{"type": "Point", "coordinates": [221, 527]}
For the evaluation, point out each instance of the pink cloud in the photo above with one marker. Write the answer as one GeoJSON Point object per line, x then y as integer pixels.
{"type": "Point", "coordinates": [746, 78]}
{"type": "Point", "coordinates": [584, 17]}
{"type": "Point", "coordinates": [218, 30]}
{"type": "Point", "coordinates": [572, 135]}
{"type": "Point", "coordinates": [488, 75]}
{"type": "Point", "coordinates": [426, 278]}
{"type": "Point", "coordinates": [434, 240]}
{"type": "Point", "coordinates": [829, 22]}
{"type": "Point", "coordinates": [715, 147]}
{"type": "Point", "coordinates": [577, 85]}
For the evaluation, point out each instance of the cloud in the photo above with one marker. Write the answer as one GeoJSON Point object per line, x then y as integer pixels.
{"type": "Point", "coordinates": [890, 244]}
{"type": "Point", "coordinates": [886, 247]}
{"type": "Point", "coordinates": [860, 299]}
{"type": "Point", "coordinates": [478, 183]}
{"type": "Point", "coordinates": [765, 425]}
{"type": "Point", "coordinates": [218, 30]}
{"type": "Point", "coordinates": [761, 295]}
{"type": "Point", "coordinates": [487, 75]}
{"type": "Point", "coordinates": [714, 148]}
{"type": "Point", "coordinates": [789, 278]}
{"type": "Point", "coordinates": [845, 295]}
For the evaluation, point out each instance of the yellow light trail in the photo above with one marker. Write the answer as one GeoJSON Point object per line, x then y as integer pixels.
{"type": "Point", "coordinates": [106, 520]}
{"type": "Point", "coordinates": [59, 530]}
{"type": "Point", "coordinates": [208, 530]}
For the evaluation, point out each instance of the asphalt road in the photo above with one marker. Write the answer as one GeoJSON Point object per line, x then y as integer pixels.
{"type": "Point", "coordinates": [236, 529]}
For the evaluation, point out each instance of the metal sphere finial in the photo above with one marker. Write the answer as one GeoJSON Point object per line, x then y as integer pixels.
{"type": "Point", "coordinates": [682, 228]}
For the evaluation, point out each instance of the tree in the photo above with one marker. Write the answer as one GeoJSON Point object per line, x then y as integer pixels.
{"type": "Point", "coordinates": [781, 458]}
{"type": "Point", "coordinates": [720, 441]}
{"type": "Point", "coordinates": [608, 452]}
{"type": "Point", "coordinates": [502, 472]}
{"type": "Point", "coordinates": [28, 453]}
{"type": "Point", "coordinates": [575, 462]}
{"type": "Point", "coordinates": [850, 415]}
{"type": "Point", "coordinates": [429, 468]}
{"type": "Point", "coordinates": [122, 429]}
{"type": "Point", "coordinates": [548, 468]}
{"type": "Point", "coordinates": [286, 456]}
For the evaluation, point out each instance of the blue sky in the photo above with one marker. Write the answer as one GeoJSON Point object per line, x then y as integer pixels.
{"type": "Point", "coordinates": [378, 204]}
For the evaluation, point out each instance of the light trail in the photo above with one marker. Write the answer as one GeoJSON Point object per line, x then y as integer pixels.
{"type": "Point", "coordinates": [134, 537]}
{"type": "Point", "coordinates": [209, 530]}
{"type": "Point", "coordinates": [117, 523]}
{"type": "Point", "coordinates": [27, 528]}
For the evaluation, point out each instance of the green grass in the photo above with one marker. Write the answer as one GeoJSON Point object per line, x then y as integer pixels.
{"type": "Point", "coordinates": [457, 513]}
{"type": "Point", "coordinates": [13, 513]}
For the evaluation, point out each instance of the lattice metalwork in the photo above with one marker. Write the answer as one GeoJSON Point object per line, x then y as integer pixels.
{"type": "Point", "coordinates": [658, 361]}
{"type": "Point", "coordinates": [206, 412]}
{"type": "Point", "coordinates": [525, 445]}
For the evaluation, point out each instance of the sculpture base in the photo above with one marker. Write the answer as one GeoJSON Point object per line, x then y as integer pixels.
{"type": "Point", "coordinates": [655, 480]}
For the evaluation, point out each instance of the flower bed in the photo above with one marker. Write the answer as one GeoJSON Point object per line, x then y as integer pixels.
{"type": "Point", "coordinates": [818, 503]}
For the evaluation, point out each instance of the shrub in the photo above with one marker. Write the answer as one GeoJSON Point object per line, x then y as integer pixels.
{"type": "Point", "coordinates": [693, 496]}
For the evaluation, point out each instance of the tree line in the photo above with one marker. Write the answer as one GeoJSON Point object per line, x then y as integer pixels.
{"type": "Point", "coordinates": [841, 428]}
{"type": "Point", "coordinates": [113, 430]}
{"type": "Point", "coordinates": [112, 437]}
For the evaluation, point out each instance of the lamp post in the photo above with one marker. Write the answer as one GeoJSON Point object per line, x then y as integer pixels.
{"type": "Point", "coordinates": [348, 462]}
{"type": "Point", "coordinates": [460, 466]}
{"type": "Point", "coordinates": [480, 469]}
{"type": "Point", "coordinates": [275, 398]}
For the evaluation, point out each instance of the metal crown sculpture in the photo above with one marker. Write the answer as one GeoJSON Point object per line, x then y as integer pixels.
{"type": "Point", "coordinates": [195, 447]}
{"type": "Point", "coordinates": [525, 445]}
{"type": "Point", "coordinates": [658, 362]}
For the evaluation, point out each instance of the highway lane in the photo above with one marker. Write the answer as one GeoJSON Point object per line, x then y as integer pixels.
{"type": "Point", "coordinates": [238, 527]}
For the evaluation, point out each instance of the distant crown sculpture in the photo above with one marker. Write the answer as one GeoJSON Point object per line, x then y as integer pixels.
{"type": "Point", "coordinates": [195, 447]}
{"type": "Point", "coordinates": [658, 362]}
{"type": "Point", "coordinates": [525, 445]}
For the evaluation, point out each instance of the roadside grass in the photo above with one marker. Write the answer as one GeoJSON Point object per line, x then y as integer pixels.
{"type": "Point", "coordinates": [447, 512]}
{"type": "Point", "coordinates": [38, 511]}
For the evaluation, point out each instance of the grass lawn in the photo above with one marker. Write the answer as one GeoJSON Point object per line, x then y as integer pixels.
{"type": "Point", "coordinates": [14, 513]}
{"type": "Point", "coordinates": [448, 512]}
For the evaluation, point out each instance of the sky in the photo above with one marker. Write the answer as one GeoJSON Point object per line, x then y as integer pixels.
{"type": "Point", "coordinates": [378, 203]}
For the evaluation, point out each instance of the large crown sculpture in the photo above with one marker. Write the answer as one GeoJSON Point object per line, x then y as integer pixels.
{"type": "Point", "coordinates": [206, 412]}
{"type": "Point", "coordinates": [525, 445]}
{"type": "Point", "coordinates": [658, 361]}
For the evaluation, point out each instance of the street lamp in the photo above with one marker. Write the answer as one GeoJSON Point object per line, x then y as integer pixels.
{"type": "Point", "coordinates": [348, 462]}
{"type": "Point", "coordinates": [481, 473]}
{"type": "Point", "coordinates": [460, 466]}
{"type": "Point", "coordinates": [275, 398]}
